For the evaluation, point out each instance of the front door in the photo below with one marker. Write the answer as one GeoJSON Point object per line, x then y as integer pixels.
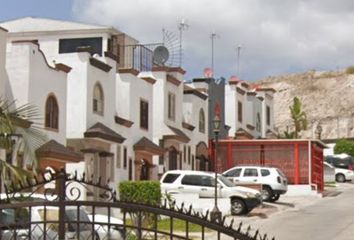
{"type": "Point", "coordinates": [172, 159]}
{"type": "Point", "coordinates": [144, 174]}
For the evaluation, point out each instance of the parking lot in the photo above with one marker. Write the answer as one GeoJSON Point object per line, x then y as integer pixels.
{"type": "Point", "coordinates": [306, 217]}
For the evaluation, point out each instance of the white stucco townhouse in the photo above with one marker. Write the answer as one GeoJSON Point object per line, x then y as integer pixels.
{"type": "Point", "coordinates": [248, 110]}
{"type": "Point", "coordinates": [195, 124]}
{"type": "Point", "coordinates": [91, 85]}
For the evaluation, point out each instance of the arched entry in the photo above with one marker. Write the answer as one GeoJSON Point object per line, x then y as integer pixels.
{"type": "Point", "coordinates": [203, 162]}
{"type": "Point", "coordinates": [172, 158]}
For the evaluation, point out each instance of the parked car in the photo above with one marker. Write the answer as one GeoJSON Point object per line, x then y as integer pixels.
{"type": "Point", "coordinates": [115, 232]}
{"type": "Point", "coordinates": [242, 199]}
{"type": "Point", "coordinates": [102, 231]}
{"type": "Point", "coordinates": [343, 161]}
{"type": "Point", "coordinates": [329, 173]}
{"type": "Point", "coordinates": [38, 216]}
{"type": "Point", "coordinates": [341, 175]}
{"type": "Point", "coordinates": [273, 181]}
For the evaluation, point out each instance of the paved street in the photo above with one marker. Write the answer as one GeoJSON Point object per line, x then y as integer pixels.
{"type": "Point", "coordinates": [325, 218]}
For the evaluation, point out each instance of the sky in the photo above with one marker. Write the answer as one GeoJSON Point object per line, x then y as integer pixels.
{"type": "Point", "coordinates": [254, 38]}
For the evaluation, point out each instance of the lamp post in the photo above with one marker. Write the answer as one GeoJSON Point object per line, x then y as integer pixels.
{"type": "Point", "coordinates": [215, 214]}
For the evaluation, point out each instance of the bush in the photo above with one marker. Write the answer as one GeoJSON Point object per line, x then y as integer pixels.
{"type": "Point", "coordinates": [145, 192]}
{"type": "Point", "coordinates": [344, 146]}
{"type": "Point", "coordinates": [350, 70]}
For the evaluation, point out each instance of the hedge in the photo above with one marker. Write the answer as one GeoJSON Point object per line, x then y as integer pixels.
{"type": "Point", "coordinates": [145, 192]}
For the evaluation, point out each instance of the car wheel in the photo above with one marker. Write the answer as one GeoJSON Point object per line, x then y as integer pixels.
{"type": "Point", "coordinates": [274, 198]}
{"type": "Point", "coordinates": [237, 206]}
{"type": "Point", "coordinates": [266, 193]}
{"type": "Point", "coordinates": [340, 178]}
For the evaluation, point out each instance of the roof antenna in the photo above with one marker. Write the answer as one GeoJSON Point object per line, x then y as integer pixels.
{"type": "Point", "coordinates": [182, 26]}
{"type": "Point", "coordinates": [212, 36]}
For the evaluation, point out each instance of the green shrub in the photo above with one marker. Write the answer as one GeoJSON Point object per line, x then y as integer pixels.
{"type": "Point", "coordinates": [350, 70]}
{"type": "Point", "coordinates": [146, 192]}
{"type": "Point", "coordinates": [344, 146]}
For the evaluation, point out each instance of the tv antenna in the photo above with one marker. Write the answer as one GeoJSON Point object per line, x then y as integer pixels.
{"type": "Point", "coordinates": [171, 42]}
{"type": "Point", "coordinates": [182, 26]}
{"type": "Point", "coordinates": [212, 36]}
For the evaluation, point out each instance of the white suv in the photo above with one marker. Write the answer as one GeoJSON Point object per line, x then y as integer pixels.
{"type": "Point", "coordinates": [273, 181]}
{"type": "Point", "coordinates": [242, 199]}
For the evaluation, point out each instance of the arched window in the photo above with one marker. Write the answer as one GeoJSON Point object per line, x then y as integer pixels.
{"type": "Point", "coordinates": [201, 121]}
{"type": "Point", "coordinates": [51, 113]}
{"type": "Point", "coordinates": [98, 99]}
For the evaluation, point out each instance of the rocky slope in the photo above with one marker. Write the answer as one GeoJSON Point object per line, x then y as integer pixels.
{"type": "Point", "coordinates": [327, 97]}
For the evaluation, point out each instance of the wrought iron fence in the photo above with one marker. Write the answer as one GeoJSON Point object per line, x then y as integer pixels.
{"type": "Point", "coordinates": [138, 57]}
{"type": "Point", "coordinates": [61, 214]}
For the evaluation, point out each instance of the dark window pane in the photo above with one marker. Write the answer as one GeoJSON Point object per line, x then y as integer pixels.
{"type": "Point", "coordinates": [192, 180]}
{"type": "Point", "coordinates": [170, 178]}
{"type": "Point", "coordinates": [207, 181]}
{"type": "Point", "coordinates": [265, 172]}
{"type": "Point", "coordinates": [239, 113]}
{"type": "Point", "coordinates": [250, 172]}
{"type": "Point", "coordinates": [234, 173]}
{"type": "Point", "coordinates": [71, 45]}
{"type": "Point", "coordinates": [144, 114]}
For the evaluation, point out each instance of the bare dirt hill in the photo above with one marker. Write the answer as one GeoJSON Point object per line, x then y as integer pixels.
{"type": "Point", "coordinates": [327, 98]}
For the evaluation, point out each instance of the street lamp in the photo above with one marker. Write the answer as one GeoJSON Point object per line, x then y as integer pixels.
{"type": "Point", "coordinates": [215, 214]}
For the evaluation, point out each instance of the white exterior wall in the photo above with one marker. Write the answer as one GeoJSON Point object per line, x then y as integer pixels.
{"type": "Point", "coordinates": [257, 108]}
{"type": "Point", "coordinates": [242, 99]}
{"type": "Point", "coordinates": [76, 93]}
{"type": "Point", "coordinates": [3, 77]}
{"type": "Point", "coordinates": [230, 108]}
{"type": "Point", "coordinates": [31, 81]}
{"type": "Point", "coordinates": [249, 117]}
{"type": "Point", "coordinates": [191, 108]}
{"type": "Point", "coordinates": [130, 89]}
{"type": "Point", "coordinates": [107, 82]}
{"type": "Point", "coordinates": [159, 109]}
{"type": "Point", "coordinates": [268, 101]}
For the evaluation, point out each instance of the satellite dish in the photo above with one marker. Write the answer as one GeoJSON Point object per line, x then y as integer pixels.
{"type": "Point", "coordinates": [160, 55]}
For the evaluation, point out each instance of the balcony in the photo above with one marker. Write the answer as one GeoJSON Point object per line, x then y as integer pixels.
{"type": "Point", "coordinates": [136, 57]}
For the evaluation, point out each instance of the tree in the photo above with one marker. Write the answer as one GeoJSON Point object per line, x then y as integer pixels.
{"type": "Point", "coordinates": [298, 116]}
{"type": "Point", "coordinates": [344, 146]}
{"type": "Point", "coordinates": [18, 122]}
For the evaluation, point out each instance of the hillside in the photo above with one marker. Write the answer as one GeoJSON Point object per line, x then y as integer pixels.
{"type": "Point", "coordinates": [327, 97]}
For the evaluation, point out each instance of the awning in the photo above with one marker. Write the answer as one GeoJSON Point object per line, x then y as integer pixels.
{"type": "Point", "coordinates": [101, 131]}
{"type": "Point", "coordinates": [177, 134]}
{"type": "Point", "coordinates": [146, 145]}
{"type": "Point", "coordinates": [53, 149]}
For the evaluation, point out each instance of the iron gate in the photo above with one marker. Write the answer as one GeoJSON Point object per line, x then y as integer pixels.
{"type": "Point", "coordinates": [31, 211]}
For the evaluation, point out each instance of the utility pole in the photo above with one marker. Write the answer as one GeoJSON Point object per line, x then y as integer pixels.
{"type": "Point", "coordinates": [212, 36]}
{"type": "Point", "coordinates": [182, 26]}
